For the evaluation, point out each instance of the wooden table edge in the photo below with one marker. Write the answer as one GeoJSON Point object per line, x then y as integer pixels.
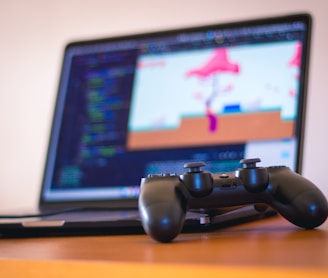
{"type": "Point", "coordinates": [70, 268]}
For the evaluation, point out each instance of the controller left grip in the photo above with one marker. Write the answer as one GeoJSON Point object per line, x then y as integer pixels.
{"type": "Point", "coordinates": [162, 208]}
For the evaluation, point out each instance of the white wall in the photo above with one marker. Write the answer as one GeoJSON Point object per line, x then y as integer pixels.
{"type": "Point", "coordinates": [34, 32]}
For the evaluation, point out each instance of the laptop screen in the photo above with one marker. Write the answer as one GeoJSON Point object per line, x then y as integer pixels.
{"type": "Point", "coordinates": [135, 105]}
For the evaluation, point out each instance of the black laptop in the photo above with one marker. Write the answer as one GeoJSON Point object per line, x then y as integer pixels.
{"type": "Point", "coordinates": [143, 104]}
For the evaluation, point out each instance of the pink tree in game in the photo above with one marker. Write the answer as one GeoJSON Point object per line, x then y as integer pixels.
{"type": "Point", "coordinates": [217, 64]}
{"type": "Point", "coordinates": [295, 61]}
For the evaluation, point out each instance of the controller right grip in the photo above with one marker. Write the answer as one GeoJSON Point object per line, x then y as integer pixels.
{"type": "Point", "coordinates": [298, 199]}
{"type": "Point", "coordinates": [307, 210]}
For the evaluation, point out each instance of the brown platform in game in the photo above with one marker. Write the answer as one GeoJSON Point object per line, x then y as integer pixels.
{"type": "Point", "coordinates": [232, 128]}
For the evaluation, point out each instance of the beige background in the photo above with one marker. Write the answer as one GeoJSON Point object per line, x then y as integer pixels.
{"type": "Point", "coordinates": [34, 32]}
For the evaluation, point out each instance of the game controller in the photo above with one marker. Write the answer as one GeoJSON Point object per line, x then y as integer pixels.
{"type": "Point", "coordinates": [165, 198]}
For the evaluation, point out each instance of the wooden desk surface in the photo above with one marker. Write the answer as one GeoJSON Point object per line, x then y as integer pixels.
{"type": "Point", "coordinates": [267, 247]}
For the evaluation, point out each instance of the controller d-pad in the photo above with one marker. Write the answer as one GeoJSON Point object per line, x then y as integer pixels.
{"type": "Point", "coordinates": [169, 174]}
{"type": "Point", "coordinates": [149, 176]}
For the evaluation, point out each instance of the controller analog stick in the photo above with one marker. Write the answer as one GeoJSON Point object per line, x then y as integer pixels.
{"type": "Point", "coordinates": [255, 179]}
{"type": "Point", "coordinates": [198, 182]}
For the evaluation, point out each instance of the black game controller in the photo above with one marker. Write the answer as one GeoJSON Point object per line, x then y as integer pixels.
{"type": "Point", "coordinates": [165, 198]}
